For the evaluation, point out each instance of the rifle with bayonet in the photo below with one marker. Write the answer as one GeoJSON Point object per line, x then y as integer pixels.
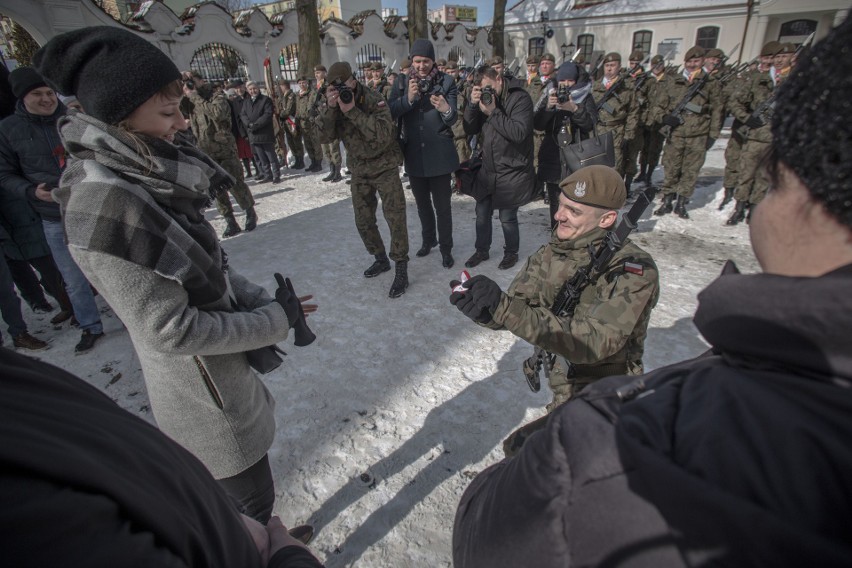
{"type": "Point", "coordinates": [545, 90]}
{"type": "Point", "coordinates": [685, 104]}
{"type": "Point", "coordinates": [568, 297]}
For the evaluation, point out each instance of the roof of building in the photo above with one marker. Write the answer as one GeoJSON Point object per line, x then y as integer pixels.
{"type": "Point", "coordinates": [527, 11]}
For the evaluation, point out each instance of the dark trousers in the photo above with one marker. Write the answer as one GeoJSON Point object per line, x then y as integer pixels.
{"type": "Point", "coordinates": [429, 191]}
{"type": "Point", "coordinates": [10, 304]}
{"type": "Point", "coordinates": [553, 193]}
{"type": "Point", "coordinates": [253, 490]}
{"type": "Point", "coordinates": [509, 220]}
{"type": "Point", "coordinates": [269, 165]}
{"type": "Point", "coordinates": [30, 286]}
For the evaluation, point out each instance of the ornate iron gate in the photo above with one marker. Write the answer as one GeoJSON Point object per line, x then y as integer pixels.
{"type": "Point", "coordinates": [218, 62]}
{"type": "Point", "coordinates": [288, 61]}
{"type": "Point", "coordinates": [457, 55]}
{"type": "Point", "coordinates": [369, 53]}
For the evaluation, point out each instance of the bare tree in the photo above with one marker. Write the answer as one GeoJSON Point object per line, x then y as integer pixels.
{"type": "Point", "coordinates": [497, 37]}
{"type": "Point", "coordinates": [309, 37]}
{"type": "Point", "coordinates": [418, 25]}
{"type": "Point", "coordinates": [23, 45]}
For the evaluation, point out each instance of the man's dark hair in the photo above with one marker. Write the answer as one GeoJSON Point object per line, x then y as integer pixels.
{"type": "Point", "coordinates": [485, 71]}
{"type": "Point", "coordinates": [811, 126]}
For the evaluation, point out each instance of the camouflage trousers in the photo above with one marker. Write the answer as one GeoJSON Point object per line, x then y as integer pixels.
{"type": "Point", "coordinates": [538, 138]}
{"type": "Point", "coordinates": [294, 142]}
{"type": "Point", "coordinates": [310, 137]}
{"type": "Point", "coordinates": [617, 142]}
{"type": "Point", "coordinates": [631, 158]}
{"type": "Point", "coordinates": [652, 147]}
{"type": "Point", "coordinates": [732, 158]}
{"type": "Point", "coordinates": [240, 190]}
{"type": "Point", "coordinates": [682, 160]}
{"type": "Point", "coordinates": [751, 183]}
{"type": "Point", "coordinates": [462, 149]}
{"type": "Point", "coordinates": [364, 203]}
{"type": "Point", "coordinates": [331, 152]}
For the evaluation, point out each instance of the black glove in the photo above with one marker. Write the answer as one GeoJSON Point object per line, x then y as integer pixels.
{"type": "Point", "coordinates": [288, 300]}
{"type": "Point", "coordinates": [710, 142]}
{"type": "Point", "coordinates": [754, 122]}
{"type": "Point", "coordinates": [671, 120]}
{"type": "Point", "coordinates": [480, 301]}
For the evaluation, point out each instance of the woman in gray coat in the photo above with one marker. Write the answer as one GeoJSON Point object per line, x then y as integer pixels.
{"type": "Point", "coordinates": [133, 204]}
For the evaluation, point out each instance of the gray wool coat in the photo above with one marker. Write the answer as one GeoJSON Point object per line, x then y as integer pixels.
{"type": "Point", "coordinates": [203, 393]}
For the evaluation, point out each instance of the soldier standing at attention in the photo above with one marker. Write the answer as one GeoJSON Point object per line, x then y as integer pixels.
{"type": "Point", "coordinates": [638, 81]}
{"type": "Point", "coordinates": [606, 334]}
{"type": "Point", "coordinates": [693, 132]}
{"type": "Point", "coordinates": [210, 118]}
{"type": "Point", "coordinates": [652, 139]}
{"type": "Point", "coordinates": [368, 132]}
{"type": "Point", "coordinates": [756, 96]}
{"type": "Point", "coordinates": [305, 111]}
{"type": "Point", "coordinates": [618, 112]}
{"type": "Point", "coordinates": [330, 149]}
{"type": "Point", "coordinates": [287, 118]}
{"type": "Point", "coordinates": [534, 87]}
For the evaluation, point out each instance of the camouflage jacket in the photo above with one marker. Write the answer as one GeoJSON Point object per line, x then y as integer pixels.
{"type": "Point", "coordinates": [285, 105]}
{"type": "Point", "coordinates": [619, 109]}
{"type": "Point", "coordinates": [211, 124]}
{"type": "Point", "coordinates": [703, 116]}
{"type": "Point", "coordinates": [368, 132]}
{"type": "Point", "coordinates": [534, 87]}
{"type": "Point", "coordinates": [461, 104]}
{"type": "Point", "coordinates": [304, 104]}
{"type": "Point", "coordinates": [609, 324]}
{"type": "Point", "coordinates": [756, 89]}
{"type": "Point", "coordinates": [641, 82]}
{"type": "Point", "coordinates": [656, 89]}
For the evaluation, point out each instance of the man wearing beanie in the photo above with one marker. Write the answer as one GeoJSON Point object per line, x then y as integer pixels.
{"type": "Point", "coordinates": [373, 156]}
{"type": "Point", "coordinates": [606, 334]}
{"type": "Point", "coordinates": [32, 159]}
{"type": "Point", "coordinates": [739, 457]}
{"type": "Point", "coordinates": [618, 112]}
{"type": "Point", "coordinates": [691, 134]}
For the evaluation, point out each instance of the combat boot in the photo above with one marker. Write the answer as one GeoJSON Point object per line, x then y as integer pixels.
{"type": "Point", "coordinates": [680, 207]}
{"type": "Point", "coordinates": [667, 205]}
{"type": "Point", "coordinates": [336, 177]}
{"type": "Point", "coordinates": [382, 264]}
{"type": "Point", "coordinates": [300, 163]}
{"type": "Point", "coordinates": [738, 215]}
{"type": "Point", "coordinates": [628, 181]}
{"type": "Point", "coordinates": [315, 166]}
{"type": "Point", "coordinates": [729, 195]}
{"type": "Point", "coordinates": [232, 227]}
{"type": "Point", "coordinates": [400, 280]}
{"type": "Point", "coordinates": [643, 178]}
{"type": "Point", "coordinates": [332, 171]}
{"type": "Point", "coordinates": [251, 219]}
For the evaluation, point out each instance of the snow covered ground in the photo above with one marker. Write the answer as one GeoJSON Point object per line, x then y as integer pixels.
{"type": "Point", "coordinates": [386, 418]}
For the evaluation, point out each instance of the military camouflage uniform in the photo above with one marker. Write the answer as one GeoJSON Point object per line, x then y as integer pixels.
{"type": "Point", "coordinates": [735, 143]}
{"type": "Point", "coordinates": [459, 136]}
{"type": "Point", "coordinates": [534, 88]}
{"type": "Point", "coordinates": [652, 143]}
{"type": "Point", "coordinates": [619, 114]}
{"type": "Point", "coordinates": [606, 335]}
{"type": "Point", "coordinates": [686, 148]}
{"type": "Point", "coordinates": [210, 119]}
{"type": "Point", "coordinates": [285, 105]}
{"type": "Point", "coordinates": [373, 156]}
{"type": "Point", "coordinates": [305, 123]}
{"type": "Point", "coordinates": [641, 85]}
{"type": "Point", "coordinates": [331, 147]}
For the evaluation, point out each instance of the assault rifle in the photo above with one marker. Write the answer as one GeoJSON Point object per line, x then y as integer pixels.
{"type": "Point", "coordinates": [610, 92]}
{"type": "Point", "coordinates": [596, 67]}
{"type": "Point", "coordinates": [568, 296]}
{"type": "Point", "coordinates": [686, 103]}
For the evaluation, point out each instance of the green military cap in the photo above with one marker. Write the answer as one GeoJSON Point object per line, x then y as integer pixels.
{"type": "Point", "coordinates": [770, 48]}
{"type": "Point", "coordinates": [657, 59]}
{"type": "Point", "coordinates": [405, 63]}
{"type": "Point", "coordinates": [496, 60]}
{"type": "Point", "coordinates": [533, 60]}
{"type": "Point", "coordinates": [452, 64]}
{"type": "Point", "coordinates": [580, 60]}
{"type": "Point", "coordinates": [598, 186]}
{"type": "Point", "coordinates": [612, 56]}
{"type": "Point", "coordinates": [320, 68]}
{"type": "Point", "coordinates": [340, 72]}
{"type": "Point", "coordinates": [304, 78]}
{"type": "Point", "coordinates": [548, 57]}
{"type": "Point", "coordinates": [714, 52]}
{"type": "Point", "coordinates": [441, 62]}
{"type": "Point", "coordinates": [787, 48]}
{"type": "Point", "coordinates": [376, 66]}
{"type": "Point", "coordinates": [693, 52]}
{"type": "Point", "coordinates": [636, 55]}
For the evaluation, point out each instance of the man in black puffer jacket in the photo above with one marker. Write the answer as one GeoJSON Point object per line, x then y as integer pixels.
{"type": "Point", "coordinates": [503, 122]}
{"type": "Point", "coordinates": [740, 457]}
{"type": "Point", "coordinates": [256, 116]}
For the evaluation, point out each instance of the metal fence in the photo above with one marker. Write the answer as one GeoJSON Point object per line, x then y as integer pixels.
{"type": "Point", "coordinates": [369, 53]}
{"type": "Point", "coordinates": [457, 55]}
{"type": "Point", "coordinates": [218, 62]}
{"type": "Point", "coordinates": [288, 61]}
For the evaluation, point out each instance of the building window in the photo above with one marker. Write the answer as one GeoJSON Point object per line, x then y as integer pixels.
{"type": "Point", "coordinates": [642, 41]}
{"type": "Point", "coordinates": [796, 31]}
{"type": "Point", "coordinates": [536, 47]}
{"type": "Point", "coordinates": [586, 45]}
{"type": "Point", "coordinates": [707, 37]}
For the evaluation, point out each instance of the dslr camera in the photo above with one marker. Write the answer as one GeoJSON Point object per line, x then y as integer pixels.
{"type": "Point", "coordinates": [190, 84]}
{"type": "Point", "coordinates": [344, 93]}
{"type": "Point", "coordinates": [487, 95]}
{"type": "Point", "coordinates": [562, 95]}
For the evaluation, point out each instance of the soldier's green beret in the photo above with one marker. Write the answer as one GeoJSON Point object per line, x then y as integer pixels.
{"type": "Point", "coordinates": [441, 62]}
{"type": "Point", "coordinates": [612, 56]}
{"type": "Point", "coordinates": [598, 186]}
{"type": "Point", "coordinates": [787, 48]}
{"type": "Point", "coordinates": [693, 52]}
{"type": "Point", "coordinates": [452, 64]}
{"type": "Point", "coordinates": [548, 57]}
{"type": "Point", "coordinates": [376, 66]}
{"type": "Point", "coordinates": [657, 59]}
{"type": "Point", "coordinates": [496, 60]}
{"type": "Point", "coordinates": [533, 60]}
{"type": "Point", "coordinates": [580, 60]}
{"type": "Point", "coordinates": [636, 55]}
{"type": "Point", "coordinates": [320, 68]}
{"type": "Point", "coordinates": [714, 52]}
{"type": "Point", "coordinates": [304, 78]}
{"type": "Point", "coordinates": [405, 64]}
{"type": "Point", "coordinates": [770, 48]}
{"type": "Point", "coordinates": [340, 72]}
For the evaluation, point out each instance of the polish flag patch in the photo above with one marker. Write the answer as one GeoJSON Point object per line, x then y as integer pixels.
{"type": "Point", "coordinates": [634, 268]}
{"type": "Point", "coordinates": [381, 104]}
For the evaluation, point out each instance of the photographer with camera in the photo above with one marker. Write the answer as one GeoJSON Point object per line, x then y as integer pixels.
{"type": "Point", "coordinates": [424, 102]}
{"type": "Point", "coordinates": [568, 113]}
{"type": "Point", "coordinates": [501, 114]}
{"type": "Point", "coordinates": [359, 116]}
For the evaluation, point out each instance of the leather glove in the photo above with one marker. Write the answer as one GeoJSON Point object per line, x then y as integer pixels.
{"type": "Point", "coordinates": [671, 120]}
{"type": "Point", "coordinates": [289, 301]}
{"type": "Point", "coordinates": [710, 142]}
{"type": "Point", "coordinates": [481, 299]}
{"type": "Point", "coordinates": [754, 122]}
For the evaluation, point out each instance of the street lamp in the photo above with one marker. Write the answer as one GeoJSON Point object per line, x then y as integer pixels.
{"type": "Point", "coordinates": [544, 17]}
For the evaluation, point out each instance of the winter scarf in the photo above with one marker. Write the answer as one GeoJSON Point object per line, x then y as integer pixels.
{"type": "Point", "coordinates": [144, 209]}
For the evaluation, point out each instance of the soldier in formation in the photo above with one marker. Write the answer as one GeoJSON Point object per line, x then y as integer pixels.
{"type": "Point", "coordinates": [652, 138]}
{"type": "Point", "coordinates": [286, 108]}
{"type": "Point", "coordinates": [330, 148]}
{"type": "Point", "coordinates": [617, 109]}
{"type": "Point", "coordinates": [306, 111]}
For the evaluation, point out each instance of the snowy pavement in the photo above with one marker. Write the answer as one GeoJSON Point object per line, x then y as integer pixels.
{"type": "Point", "coordinates": [385, 419]}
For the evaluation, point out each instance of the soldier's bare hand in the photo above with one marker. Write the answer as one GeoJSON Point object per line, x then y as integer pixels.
{"type": "Point", "coordinates": [346, 107]}
{"type": "Point", "coordinates": [475, 94]}
{"type": "Point", "coordinates": [552, 101]}
{"type": "Point", "coordinates": [488, 109]}
{"type": "Point", "coordinates": [331, 97]}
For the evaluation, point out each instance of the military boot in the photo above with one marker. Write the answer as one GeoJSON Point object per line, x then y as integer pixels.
{"type": "Point", "coordinates": [315, 166]}
{"type": "Point", "coordinates": [232, 227]}
{"type": "Point", "coordinates": [628, 181]}
{"type": "Point", "coordinates": [729, 195]}
{"type": "Point", "coordinates": [251, 219]}
{"type": "Point", "coordinates": [300, 163]}
{"type": "Point", "coordinates": [680, 207]}
{"type": "Point", "coordinates": [332, 171]}
{"type": "Point", "coordinates": [382, 264]}
{"type": "Point", "coordinates": [336, 177]}
{"type": "Point", "coordinates": [667, 205]}
{"type": "Point", "coordinates": [400, 280]}
{"type": "Point", "coordinates": [643, 177]}
{"type": "Point", "coordinates": [738, 215]}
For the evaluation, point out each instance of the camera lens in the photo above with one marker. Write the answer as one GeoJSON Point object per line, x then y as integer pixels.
{"type": "Point", "coordinates": [346, 96]}
{"type": "Point", "coordinates": [424, 85]}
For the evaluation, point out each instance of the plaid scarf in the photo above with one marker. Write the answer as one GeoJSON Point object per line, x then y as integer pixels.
{"type": "Point", "coordinates": [148, 210]}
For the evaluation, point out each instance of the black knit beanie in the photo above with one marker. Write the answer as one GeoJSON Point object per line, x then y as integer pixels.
{"type": "Point", "coordinates": [23, 80]}
{"type": "Point", "coordinates": [422, 48]}
{"type": "Point", "coordinates": [110, 70]}
{"type": "Point", "coordinates": [568, 71]}
{"type": "Point", "coordinates": [811, 130]}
